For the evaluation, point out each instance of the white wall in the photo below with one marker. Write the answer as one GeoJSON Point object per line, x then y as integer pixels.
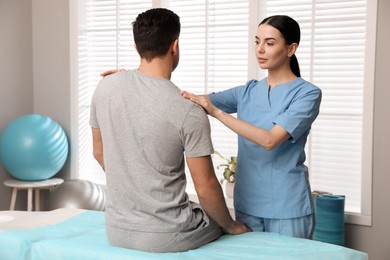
{"type": "Point", "coordinates": [34, 77]}
{"type": "Point", "coordinates": [51, 64]}
{"type": "Point", "coordinates": [16, 86]}
{"type": "Point", "coordinates": [34, 69]}
{"type": "Point", "coordinates": [16, 78]}
{"type": "Point", "coordinates": [50, 42]}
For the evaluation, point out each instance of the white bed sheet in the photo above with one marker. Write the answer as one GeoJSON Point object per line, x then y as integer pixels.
{"type": "Point", "coordinates": [64, 234]}
{"type": "Point", "coordinates": [19, 220]}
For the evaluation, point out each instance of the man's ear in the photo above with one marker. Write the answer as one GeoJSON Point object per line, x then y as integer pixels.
{"type": "Point", "coordinates": [175, 46]}
{"type": "Point", "coordinates": [292, 49]}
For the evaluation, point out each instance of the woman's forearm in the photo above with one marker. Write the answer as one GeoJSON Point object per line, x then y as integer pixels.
{"type": "Point", "coordinates": [268, 139]}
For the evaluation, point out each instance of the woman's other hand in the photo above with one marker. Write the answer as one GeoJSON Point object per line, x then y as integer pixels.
{"type": "Point", "coordinates": [109, 72]}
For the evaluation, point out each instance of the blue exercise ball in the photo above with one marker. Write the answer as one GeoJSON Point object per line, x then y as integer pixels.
{"type": "Point", "coordinates": [33, 147]}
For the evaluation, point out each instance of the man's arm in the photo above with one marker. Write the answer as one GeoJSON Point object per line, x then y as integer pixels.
{"type": "Point", "coordinates": [210, 194]}
{"type": "Point", "coordinates": [97, 146]}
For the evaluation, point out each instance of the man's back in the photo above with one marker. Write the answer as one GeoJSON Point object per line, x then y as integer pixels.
{"type": "Point", "coordinates": [146, 127]}
{"type": "Point", "coordinates": [141, 127]}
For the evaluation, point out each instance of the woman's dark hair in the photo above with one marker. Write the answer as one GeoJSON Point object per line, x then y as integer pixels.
{"type": "Point", "coordinates": [154, 31]}
{"type": "Point", "coordinates": [291, 32]}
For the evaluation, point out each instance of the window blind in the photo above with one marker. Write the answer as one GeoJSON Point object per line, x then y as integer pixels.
{"type": "Point", "coordinates": [217, 52]}
{"type": "Point", "coordinates": [214, 57]}
{"type": "Point", "coordinates": [105, 42]}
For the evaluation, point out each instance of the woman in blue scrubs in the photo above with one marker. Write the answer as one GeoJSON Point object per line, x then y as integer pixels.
{"type": "Point", "coordinates": [274, 117]}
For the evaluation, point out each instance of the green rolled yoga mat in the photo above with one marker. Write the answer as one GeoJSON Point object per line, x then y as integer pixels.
{"type": "Point", "coordinates": [329, 213]}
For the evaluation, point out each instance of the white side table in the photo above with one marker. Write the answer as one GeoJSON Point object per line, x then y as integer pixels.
{"type": "Point", "coordinates": [30, 186]}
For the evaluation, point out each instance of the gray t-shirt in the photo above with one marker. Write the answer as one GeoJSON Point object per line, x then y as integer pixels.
{"type": "Point", "coordinates": [146, 127]}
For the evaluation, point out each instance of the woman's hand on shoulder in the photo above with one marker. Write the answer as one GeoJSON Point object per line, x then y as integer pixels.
{"type": "Point", "coordinates": [202, 100]}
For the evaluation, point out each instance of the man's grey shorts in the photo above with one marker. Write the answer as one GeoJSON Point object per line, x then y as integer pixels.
{"type": "Point", "coordinates": [202, 230]}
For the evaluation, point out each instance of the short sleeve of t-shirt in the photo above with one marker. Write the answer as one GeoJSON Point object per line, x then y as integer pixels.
{"type": "Point", "coordinates": [196, 133]}
{"type": "Point", "coordinates": [96, 98]}
{"type": "Point", "coordinates": [92, 117]}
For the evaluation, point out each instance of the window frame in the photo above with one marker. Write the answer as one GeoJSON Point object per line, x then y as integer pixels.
{"type": "Point", "coordinates": [365, 217]}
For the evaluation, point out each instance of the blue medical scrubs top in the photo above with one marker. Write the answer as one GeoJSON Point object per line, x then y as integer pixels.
{"type": "Point", "coordinates": [273, 184]}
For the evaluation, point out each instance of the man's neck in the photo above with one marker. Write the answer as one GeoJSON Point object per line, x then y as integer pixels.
{"type": "Point", "coordinates": [158, 67]}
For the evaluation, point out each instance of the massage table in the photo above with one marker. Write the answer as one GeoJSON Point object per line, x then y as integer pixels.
{"type": "Point", "coordinates": [80, 234]}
